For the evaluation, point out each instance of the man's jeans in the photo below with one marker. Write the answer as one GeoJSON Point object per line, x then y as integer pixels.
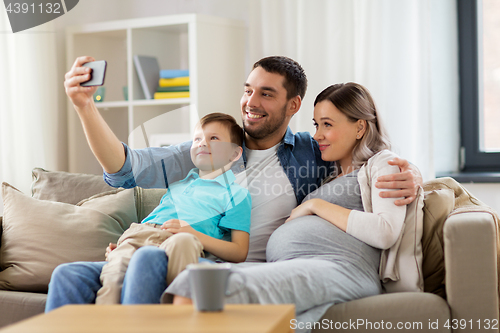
{"type": "Point", "coordinates": [78, 282]}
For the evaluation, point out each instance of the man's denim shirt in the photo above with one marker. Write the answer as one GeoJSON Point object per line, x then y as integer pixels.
{"type": "Point", "coordinates": [155, 167]}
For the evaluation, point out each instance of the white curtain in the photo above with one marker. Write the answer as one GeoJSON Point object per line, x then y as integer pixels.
{"type": "Point", "coordinates": [28, 102]}
{"type": "Point", "coordinates": [404, 52]}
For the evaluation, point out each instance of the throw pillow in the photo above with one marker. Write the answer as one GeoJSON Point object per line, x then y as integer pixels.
{"type": "Point", "coordinates": [38, 235]}
{"type": "Point", "coordinates": [66, 187]}
{"type": "Point", "coordinates": [147, 200]}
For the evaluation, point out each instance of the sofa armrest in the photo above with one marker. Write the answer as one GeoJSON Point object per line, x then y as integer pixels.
{"type": "Point", "coordinates": [470, 252]}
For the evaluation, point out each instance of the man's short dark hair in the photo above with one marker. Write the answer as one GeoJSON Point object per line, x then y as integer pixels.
{"type": "Point", "coordinates": [235, 130]}
{"type": "Point", "coordinates": [295, 77]}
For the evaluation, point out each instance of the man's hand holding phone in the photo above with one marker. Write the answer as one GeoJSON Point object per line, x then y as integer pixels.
{"type": "Point", "coordinates": [102, 141]}
{"type": "Point", "coordinates": [97, 74]}
{"type": "Point", "coordinates": [80, 81]}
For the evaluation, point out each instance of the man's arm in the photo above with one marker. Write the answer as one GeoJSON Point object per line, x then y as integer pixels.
{"type": "Point", "coordinates": [407, 182]}
{"type": "Point", "coordinates": [102, 141]}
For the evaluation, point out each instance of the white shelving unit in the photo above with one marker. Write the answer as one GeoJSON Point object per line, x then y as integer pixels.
{"type": "Point", "coordinates": [212, 48]}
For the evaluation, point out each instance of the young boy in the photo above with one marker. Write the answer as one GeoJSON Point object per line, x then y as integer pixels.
{"type": "Point", "coordinates": [204, 211]}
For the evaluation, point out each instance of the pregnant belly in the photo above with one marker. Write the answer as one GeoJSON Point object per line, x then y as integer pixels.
{"type": "Point", "coordinates": [313, 237]}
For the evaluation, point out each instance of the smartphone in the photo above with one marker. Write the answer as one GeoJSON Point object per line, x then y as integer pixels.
{"type": "Point", "coordinates": [97, 75]}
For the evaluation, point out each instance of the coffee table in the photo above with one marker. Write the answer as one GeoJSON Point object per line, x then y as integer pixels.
{"type": "Point", "coordinates": [251, 318]}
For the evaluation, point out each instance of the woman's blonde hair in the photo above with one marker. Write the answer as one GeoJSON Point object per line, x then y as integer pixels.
{"type": "Point", "coordinates": [355, 101]}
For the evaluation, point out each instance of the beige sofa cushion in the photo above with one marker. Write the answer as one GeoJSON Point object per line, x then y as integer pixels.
{"type": "Point", "coordinates": [66, 187]}
{"type": "Point", "coordinates": [16, 306]}
{"type": "Point", "coordinates": [38, 235]}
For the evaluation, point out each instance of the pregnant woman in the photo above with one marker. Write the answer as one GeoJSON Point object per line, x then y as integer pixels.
{"type": "Point", "coordinates": [344, 238]}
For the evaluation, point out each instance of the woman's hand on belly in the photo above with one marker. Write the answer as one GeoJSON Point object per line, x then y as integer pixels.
{"type": "Point", "coordinates": [334, 214]}
{"type": "Point", "coordinates": [303, 209]}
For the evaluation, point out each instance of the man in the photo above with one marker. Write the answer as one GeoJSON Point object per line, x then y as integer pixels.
{"type": "Point", "coordinates": [279, 168]}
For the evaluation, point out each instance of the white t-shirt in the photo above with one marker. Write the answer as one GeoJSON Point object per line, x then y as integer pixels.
{"type": "Point", "coordinates": [272, 197]}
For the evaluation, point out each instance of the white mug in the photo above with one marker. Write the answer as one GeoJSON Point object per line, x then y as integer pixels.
{"type": "Point", "coordinates": [208, 284]}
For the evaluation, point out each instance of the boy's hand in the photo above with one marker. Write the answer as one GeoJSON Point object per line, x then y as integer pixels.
{"type": "Point", "coordinates": [408, 180]}
{"type": "Point", "coordinates": [80, 96]}
{"type": "Point", "coordinates": [175, 226]}
{"type": "Point", "coordinates": [110, 248]}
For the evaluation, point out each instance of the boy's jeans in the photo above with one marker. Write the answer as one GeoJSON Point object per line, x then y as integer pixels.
{"type": "Point", "coordinates": [78, 282]}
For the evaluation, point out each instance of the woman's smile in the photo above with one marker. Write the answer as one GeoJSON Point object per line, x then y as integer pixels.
{"type": "Point", "coordinates": [323, 146]}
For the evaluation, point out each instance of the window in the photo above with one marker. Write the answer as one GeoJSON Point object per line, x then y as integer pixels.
{"type": "Point", "coordinates": [479, 32]}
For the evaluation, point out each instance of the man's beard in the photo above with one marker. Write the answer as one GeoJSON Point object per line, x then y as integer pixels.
{"type": "Point", "coordinates": [267, 128]}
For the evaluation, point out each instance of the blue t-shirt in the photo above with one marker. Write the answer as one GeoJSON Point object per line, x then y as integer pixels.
{"type": "Point", "coordinates": [211, 206]}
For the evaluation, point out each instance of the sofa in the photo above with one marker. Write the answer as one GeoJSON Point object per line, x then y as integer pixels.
{"type": "Point", "coordinates": [70, 217]}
